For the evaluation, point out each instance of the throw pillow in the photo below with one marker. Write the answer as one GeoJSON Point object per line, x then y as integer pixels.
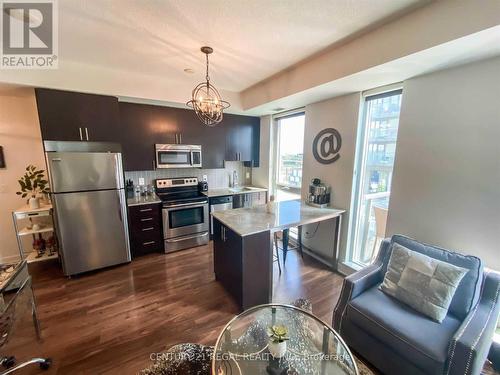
{"type": "Point", "coordinates": [421, 282]}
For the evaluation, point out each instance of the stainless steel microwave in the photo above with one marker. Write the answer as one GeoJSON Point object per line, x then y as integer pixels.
{"type": "Point", "coordinates": [178, 156]}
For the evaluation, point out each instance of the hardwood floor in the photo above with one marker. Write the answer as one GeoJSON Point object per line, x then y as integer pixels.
{"type": "Point", "coordinates": [109, 322]}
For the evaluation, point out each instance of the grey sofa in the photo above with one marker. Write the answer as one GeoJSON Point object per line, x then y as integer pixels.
{"type": "Point", "coordinates": [398, 340]}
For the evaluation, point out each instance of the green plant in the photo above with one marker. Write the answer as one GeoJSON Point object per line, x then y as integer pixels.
{"type": "Point", "coordinates": [278, 334]}
{"type": "Point", "coordinates": [33, 182]}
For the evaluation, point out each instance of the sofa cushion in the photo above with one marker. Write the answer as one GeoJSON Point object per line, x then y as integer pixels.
{"type": "Point", "coordinates": [468, 291]}
{"type": "Point", "coordinates": [420, 340]}
{"type": "Point", "coordinates": [426, 284]}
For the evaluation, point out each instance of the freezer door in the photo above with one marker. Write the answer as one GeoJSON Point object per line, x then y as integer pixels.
{"type": "Point", "coordinates": [83, 171]}
{"type": "Point", "coordinates": [92, 229]}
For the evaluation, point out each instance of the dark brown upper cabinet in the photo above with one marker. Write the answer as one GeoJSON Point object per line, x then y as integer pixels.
{"type": "Point", "coordinates": [242, 132]}
{"type": "Point", "coordinates": [72, 116]}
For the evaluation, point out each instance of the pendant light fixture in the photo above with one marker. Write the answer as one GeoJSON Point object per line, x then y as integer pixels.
{"type": "Point", "coordinates": [206, 100]}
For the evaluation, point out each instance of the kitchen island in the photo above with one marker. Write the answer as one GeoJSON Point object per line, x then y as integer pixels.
{"type": "Point", "coordinates": [243, 248]}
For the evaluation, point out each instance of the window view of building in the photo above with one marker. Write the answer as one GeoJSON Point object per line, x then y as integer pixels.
{"type": "Point", "coordinates": [290, 148]}
{"type": "Point", "coordinates": [373, 185]}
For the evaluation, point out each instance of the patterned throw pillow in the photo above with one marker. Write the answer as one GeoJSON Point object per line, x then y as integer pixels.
{"type": "Point", "coordinates": [423, 283]}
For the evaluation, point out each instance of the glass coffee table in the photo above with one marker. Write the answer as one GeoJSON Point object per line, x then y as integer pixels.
{"type": "Point", "coordinates": [313, 347]}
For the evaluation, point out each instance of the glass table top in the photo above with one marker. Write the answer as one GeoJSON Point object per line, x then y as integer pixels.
{"type": "Point", "coordinates": [312, 347]}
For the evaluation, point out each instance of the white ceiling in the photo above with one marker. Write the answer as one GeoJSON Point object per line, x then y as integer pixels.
{"type": "Point", "coordinates": [478, 46]}
{"type": "Point", "coordinates": [252, 39]}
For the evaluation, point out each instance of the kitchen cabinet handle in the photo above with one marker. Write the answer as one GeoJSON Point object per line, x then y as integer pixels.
{"type": "Point", "coordinates": [81, 135]}
{"type": "Point", "coordinates": [222, 233]}
{"type": "Point", "coordinates": [180, 138]}
{"type": "Point", "coordinates": [146, 229]}
{"type": "Point", "coordinates": [87, 133]}
{"type": "Point", "coordinates": [146, 210]}
{"type": "Point", "coordinates": [148, 243]}
{"type": "Point", "coordinates": [147, 219]}
{"type": "Point", "coordinates": [225, 238]}
{"type": "Point", "coordinates": [154, 165]}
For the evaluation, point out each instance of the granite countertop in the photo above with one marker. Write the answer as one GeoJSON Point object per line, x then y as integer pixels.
{"type": "Point", "coordinates": [219, 192]}
{"type": "Point", "coordinates": [283, 215]}
{"type": "Point", "coordinates": [140, 200]}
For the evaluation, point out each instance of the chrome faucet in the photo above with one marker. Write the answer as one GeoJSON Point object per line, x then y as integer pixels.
{"type": "Point", "coordinates": [235, 179]}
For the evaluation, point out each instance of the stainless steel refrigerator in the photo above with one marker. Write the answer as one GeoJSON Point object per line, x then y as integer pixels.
{"type": "Point", "coordinates": [87, 185]}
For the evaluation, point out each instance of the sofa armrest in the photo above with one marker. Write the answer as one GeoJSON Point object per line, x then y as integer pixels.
{"type": "Point", "coordinates": [360, 281]}
{"type": "Point", "coordinates": [469, 347]}
{"type": "Point", "coordinates": [352, 287]}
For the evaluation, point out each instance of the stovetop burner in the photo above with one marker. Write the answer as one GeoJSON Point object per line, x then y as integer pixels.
{"type": "Point", "coordinates": [176, 191]}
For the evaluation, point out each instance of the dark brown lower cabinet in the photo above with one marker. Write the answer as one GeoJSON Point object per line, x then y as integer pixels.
{"type": "Point", "coordinates": [146, 229]}
{"type": "Point", "coordinates": [243, 265]}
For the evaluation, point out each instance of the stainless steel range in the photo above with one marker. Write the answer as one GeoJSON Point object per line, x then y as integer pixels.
{"type": "Point", "coordinates": [185, 213]}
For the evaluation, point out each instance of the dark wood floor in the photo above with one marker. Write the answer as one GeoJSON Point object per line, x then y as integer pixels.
{"type": "Point", "coordinates": [110, 322]}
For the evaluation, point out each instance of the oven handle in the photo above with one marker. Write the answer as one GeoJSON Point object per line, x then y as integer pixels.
{"type": "Point", "coordinates": [186, 237]}
{"type": "Point", "coordinates": [184, 205]}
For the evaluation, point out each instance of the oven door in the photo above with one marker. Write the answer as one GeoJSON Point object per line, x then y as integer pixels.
{"type": "Point", "coordinates": [173, 159]}
{"type": "Point", "coordinates": [185, 219]}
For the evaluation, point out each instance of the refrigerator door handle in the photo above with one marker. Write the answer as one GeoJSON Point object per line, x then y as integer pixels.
{"type": "Point", "coordinates": [118, 171]}
{"type": "Point", "coordinates": [120, 206]}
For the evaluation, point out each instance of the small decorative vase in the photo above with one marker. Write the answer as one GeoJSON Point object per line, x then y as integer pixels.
{"type": "Point", "coordinates": [34, 203]}
{"type": "Point", "coordinates": [277, 349]}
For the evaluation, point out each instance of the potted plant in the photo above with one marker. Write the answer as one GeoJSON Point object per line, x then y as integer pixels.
{"type": "Point", "coordinates": [278, 336]}
{"type": "Point", "coordinates": [33, 183]}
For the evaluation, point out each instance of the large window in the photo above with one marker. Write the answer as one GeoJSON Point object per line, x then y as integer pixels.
{"type": "Point", "coordinates": [289, 156]}
{"type": "Point", "coordinates": [375, 154]}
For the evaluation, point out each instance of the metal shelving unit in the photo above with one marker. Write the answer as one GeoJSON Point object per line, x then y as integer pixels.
{"type": "Point", "coordinates": [27, 214]}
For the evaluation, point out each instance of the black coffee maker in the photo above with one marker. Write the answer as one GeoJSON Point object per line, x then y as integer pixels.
{"type": "Point", "coordinates": [202, 186]}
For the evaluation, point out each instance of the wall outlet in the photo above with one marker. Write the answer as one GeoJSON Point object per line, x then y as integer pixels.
{"type": "Point", "coordinates": [141, 181]}
{"type": "Point", "coordinates": [205, 178]}
{"type": "Point", "coordinates": [3, 188]}
{"type": "Point", "coordinates": [247, 175]}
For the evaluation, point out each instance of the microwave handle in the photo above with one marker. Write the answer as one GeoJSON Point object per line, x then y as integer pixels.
{"type": "Point", "coordinates": [192, 158]}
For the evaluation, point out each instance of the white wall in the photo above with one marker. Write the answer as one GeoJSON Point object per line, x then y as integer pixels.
{"type": "Point", "coordinates": [342, 114]}
{"type": "Point", "coordinates": [21, 140]}
{"type": "Point", "coordinates": [260, 175]}
{"type": "Point", "coordinates": [446, 184]}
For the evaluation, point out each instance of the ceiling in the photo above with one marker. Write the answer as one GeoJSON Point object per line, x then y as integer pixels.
{"type": "Point", "coordinates": [269, 54]}
{"type": "Point", "coordinates": [252, 39]}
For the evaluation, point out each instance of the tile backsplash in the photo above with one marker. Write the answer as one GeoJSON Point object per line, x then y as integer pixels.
{"type": "Point", "coordinates": [217, 178]}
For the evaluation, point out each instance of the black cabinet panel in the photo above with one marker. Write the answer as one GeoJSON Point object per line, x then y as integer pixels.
{"type": "Point", "coordinates": [146, 230]}
{"type": "Point", "coordinates": [138, 134]}
{"type": "Point", "coordinates": [213, 146]}
{"type": "Point", "coordinates": [228, 259]}
{"type": "Point", "coordinates": [72, 116]}
{"type": "Point", "coordinates": [241, 132]}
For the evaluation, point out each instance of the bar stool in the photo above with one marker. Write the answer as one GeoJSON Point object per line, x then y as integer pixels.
{"type": "Point", "coordinates": [285, 240]}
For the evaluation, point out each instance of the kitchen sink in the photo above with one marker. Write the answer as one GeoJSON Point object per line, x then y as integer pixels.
{"type": "Point", "coordinates": [240, 189]}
